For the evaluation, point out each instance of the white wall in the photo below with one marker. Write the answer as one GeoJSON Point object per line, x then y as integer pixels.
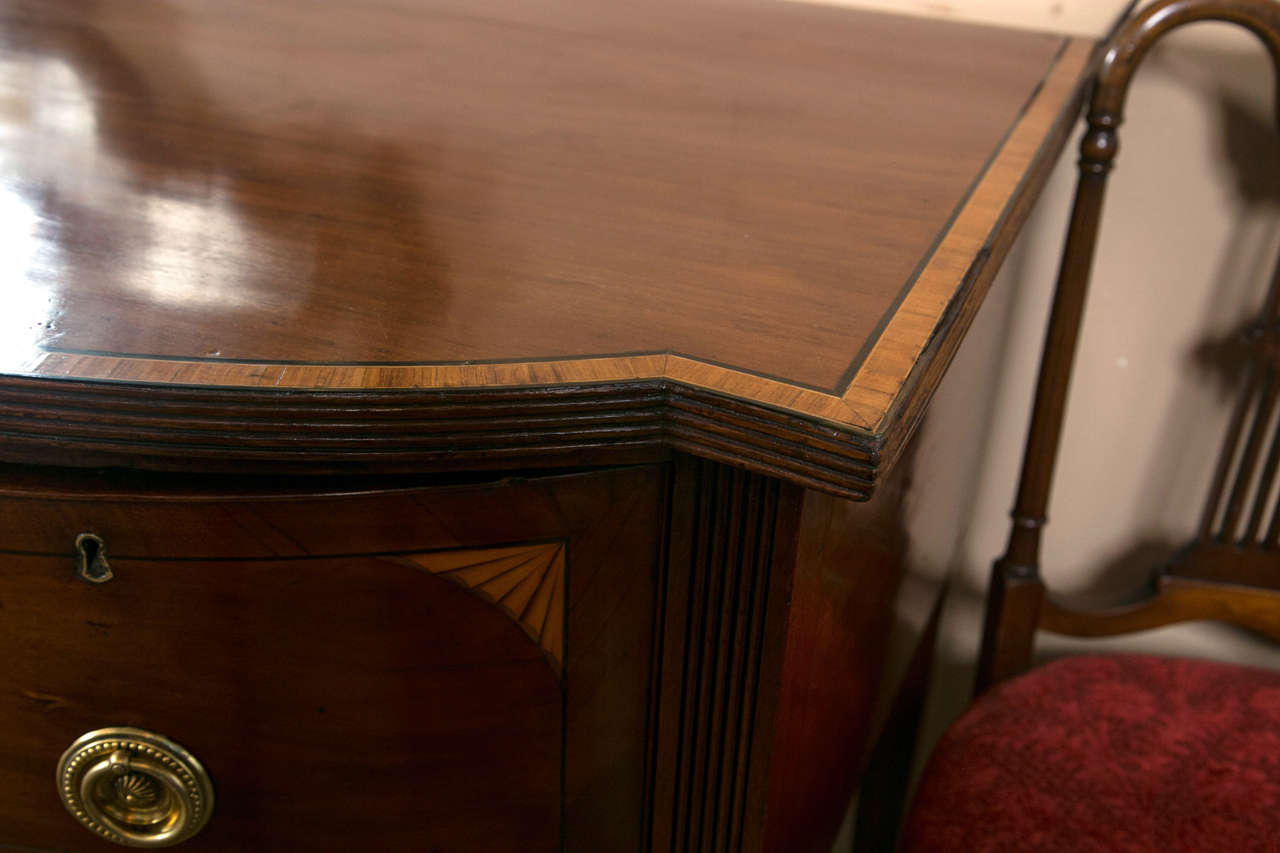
{"type": "Point", "coordinates": [1082, 17]}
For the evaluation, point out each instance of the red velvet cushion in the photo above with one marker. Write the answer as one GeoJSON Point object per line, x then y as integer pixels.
{"type": "Point", "coordinates": [1120, 753]}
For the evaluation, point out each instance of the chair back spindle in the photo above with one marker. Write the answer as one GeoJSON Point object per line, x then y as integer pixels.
{"type": "Point", "coordinates": [1232, 542]}
{"type": "Point", "coordinates": [1255, 407]}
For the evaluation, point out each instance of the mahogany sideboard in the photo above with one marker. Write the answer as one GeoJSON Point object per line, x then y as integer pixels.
{"type": "Point", "coordinates": [483, 426]}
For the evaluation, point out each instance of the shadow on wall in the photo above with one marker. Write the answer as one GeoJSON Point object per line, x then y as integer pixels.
{"type": "Point", "coordinates": [1246, 154]}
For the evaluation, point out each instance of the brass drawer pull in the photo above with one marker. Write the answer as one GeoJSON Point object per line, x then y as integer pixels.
{"type": "Point", "coordinates": [134, 787]}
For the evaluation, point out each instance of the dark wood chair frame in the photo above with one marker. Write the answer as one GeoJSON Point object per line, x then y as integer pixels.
{"type": "Point", "coordinates": [1229, 571]}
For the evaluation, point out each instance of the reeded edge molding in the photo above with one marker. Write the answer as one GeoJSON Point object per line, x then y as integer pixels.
{"type": "Point", "coordinates": [235, 416]}
{"type": "Point", "coordinates": [69, 422]}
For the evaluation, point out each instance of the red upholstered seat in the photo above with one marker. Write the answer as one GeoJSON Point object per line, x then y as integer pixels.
{"type": "Point", "coordinates": [1116, 753]}
{"type": "Point", "coordinates": [1126, 753]}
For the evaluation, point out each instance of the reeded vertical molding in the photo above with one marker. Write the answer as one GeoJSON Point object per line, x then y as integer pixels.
{"type": "Point", "coordinates": [719, 650]}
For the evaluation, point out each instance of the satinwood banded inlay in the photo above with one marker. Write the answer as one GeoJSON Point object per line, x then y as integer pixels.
{"type": "Point", "coordinates": [558, 196]}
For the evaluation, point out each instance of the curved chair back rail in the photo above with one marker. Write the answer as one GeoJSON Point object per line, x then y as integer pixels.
{"type": "Point", "coordinates": [1017, 604]}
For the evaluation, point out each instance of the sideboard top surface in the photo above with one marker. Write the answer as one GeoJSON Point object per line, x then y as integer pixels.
{"type": "Point", "coordinates": [770, 203]}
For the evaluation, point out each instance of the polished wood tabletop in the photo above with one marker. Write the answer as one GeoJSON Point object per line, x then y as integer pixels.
{"type": "Point", "coordinates": [782, 213]}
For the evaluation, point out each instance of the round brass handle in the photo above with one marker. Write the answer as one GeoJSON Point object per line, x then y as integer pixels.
{"type": "Point", "coordinates": [134, 787]}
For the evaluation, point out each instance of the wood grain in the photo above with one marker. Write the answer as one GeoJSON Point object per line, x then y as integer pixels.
{"type": "Point", "coordinates": [296, 645]}
{"type": "Point", "coordinates": [563, 194]}
{"type": "Point", "coordinates": [970, 252]}
{"type": "Point", "coordinates": [848, 569]}
{"type": "Point", "coordinates": [321, 695]}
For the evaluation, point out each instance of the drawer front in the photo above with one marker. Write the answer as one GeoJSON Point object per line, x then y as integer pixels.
{"type": "Point", "coordinates": [478, 683]}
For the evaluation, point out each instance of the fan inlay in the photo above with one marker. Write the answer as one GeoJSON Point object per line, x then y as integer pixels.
{"type": "Point", "coordinates": [526, 581]}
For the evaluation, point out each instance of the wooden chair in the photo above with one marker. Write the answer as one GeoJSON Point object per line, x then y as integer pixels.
{"type": "Point", "coordinates": [1126, 752]}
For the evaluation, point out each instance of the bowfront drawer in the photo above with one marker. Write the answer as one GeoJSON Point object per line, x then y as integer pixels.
{"type": "Point", "coordinates": [143, 517]}
{"type": "Point", "coordinates": [424, 669]}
